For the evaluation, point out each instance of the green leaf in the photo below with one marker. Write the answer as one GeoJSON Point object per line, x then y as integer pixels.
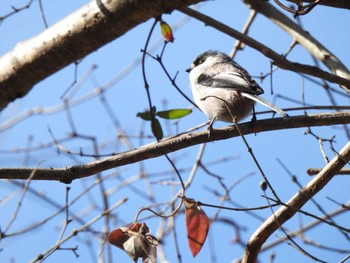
{"type": "Point", "coordinates": [157, 129]}
{"type": "Point", "coordinates": [144, 115]}
{"type": "Point", "coordinates": [174, 114]}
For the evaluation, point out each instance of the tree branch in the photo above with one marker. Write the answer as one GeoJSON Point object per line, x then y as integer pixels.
{"type": "Point", "coordinates": [68, 174]}
{"type": "Point", "coordinates": [331, 3]}
{"type": "Point", "coordinates": [313, 46]}
{"type": "Point", "coordinates": [296, 202]}
{"type": "Point", "coordinates": [92, 26]}
{"type": "Point", "coordinates": [279, 60]}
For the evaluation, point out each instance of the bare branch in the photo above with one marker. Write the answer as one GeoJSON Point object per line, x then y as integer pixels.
{"type": "Point", "coordinates": [68, 174]}
{"type": "Point", "coordinates": [279, 60]}
{"type": "Point", "coordinates": [305, 228]}
{"type": "Point", "coordinates": [92, 26]}
{"type": "Point", "coordinates": [80, 229]}
{"type": "Point", "coordinates": [304, 38]}
{"type": "Point", "coordinates": [313, 171]}
{"type": "Point", "coordinates": [331, 3]}
{"type": "Point", "coordinates": [294, 204]}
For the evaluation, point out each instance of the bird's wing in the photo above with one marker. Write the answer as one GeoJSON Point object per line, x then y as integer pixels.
{"type": "Point", "coordinates": [237, 80]}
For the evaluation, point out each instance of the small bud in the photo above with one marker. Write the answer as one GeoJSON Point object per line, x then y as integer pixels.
{"type": "Point", "coordinates": [167, 32]}
{"type": "Point", "coordinates": [263, 185]}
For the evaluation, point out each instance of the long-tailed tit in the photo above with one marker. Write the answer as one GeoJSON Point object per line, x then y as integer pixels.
{"type": "Point", "coordinates": [223, 89]}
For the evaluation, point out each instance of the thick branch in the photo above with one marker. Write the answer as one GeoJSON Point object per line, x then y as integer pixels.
{"type": "Point", "coordinates": [92, 26]}
{"type": "Point", "coordinates": [68, 174]}
{"type": "Point", "coordinates": [331, 3]}
{"type": "Point", "coordinates": [279, 60]}
{"type": "Point", "coordinates": [296, 202]}
{"type": "Point", "coordinates": [304, 38]}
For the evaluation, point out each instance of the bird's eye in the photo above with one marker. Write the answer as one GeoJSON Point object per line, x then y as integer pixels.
{"type": "Point", "coordinates": [198, 61]}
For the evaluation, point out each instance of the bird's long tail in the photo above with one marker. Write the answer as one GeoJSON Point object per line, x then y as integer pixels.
{"type": "Point", "coordinates": [265, 103]}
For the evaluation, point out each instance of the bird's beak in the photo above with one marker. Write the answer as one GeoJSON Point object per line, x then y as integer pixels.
{"type": "Point", "coordinates": [188, 70]}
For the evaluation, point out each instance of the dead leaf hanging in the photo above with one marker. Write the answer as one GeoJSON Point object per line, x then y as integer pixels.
{"type": "Point", "coordinates": [197, 224]}
{"type": "Point", "coordinates": [136, 241]}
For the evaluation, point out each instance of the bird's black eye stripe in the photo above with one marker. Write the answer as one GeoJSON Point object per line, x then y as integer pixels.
{"type": "Point", "coordinates": [198, 61]}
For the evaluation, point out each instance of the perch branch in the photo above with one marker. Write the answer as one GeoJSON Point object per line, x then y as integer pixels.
{"type": "Point", "coordinates": [68, 174]}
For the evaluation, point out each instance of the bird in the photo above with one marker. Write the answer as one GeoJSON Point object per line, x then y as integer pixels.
{"type": "Point", "coordinates": [223, 89]}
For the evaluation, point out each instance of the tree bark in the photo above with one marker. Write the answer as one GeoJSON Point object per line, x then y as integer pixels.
{"type": "Point", "coordinates": [332, 3]}
{"type": "Point", "coordinates": [284, 213]}
{"type": "Point", "coordinates": [92, 26]}
{"type": "Point", "coordinates": [168, 145]}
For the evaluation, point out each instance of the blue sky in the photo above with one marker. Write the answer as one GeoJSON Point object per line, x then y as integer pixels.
{"type": "Point", "coordinates": [127, 97]}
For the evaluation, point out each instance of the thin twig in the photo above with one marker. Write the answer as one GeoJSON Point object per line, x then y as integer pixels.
{"type": "Point", "coordinates": [297, 201]}
{"type": "Point", "coordinates": [279, 60]}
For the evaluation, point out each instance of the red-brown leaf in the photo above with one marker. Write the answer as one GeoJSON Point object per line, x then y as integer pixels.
{"type": "Point", "coordinates": [118, 237]}
{"type": "Point", "coordinates": [136, 241]}
{"type": "Point", "coordinates": [197, 224]}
